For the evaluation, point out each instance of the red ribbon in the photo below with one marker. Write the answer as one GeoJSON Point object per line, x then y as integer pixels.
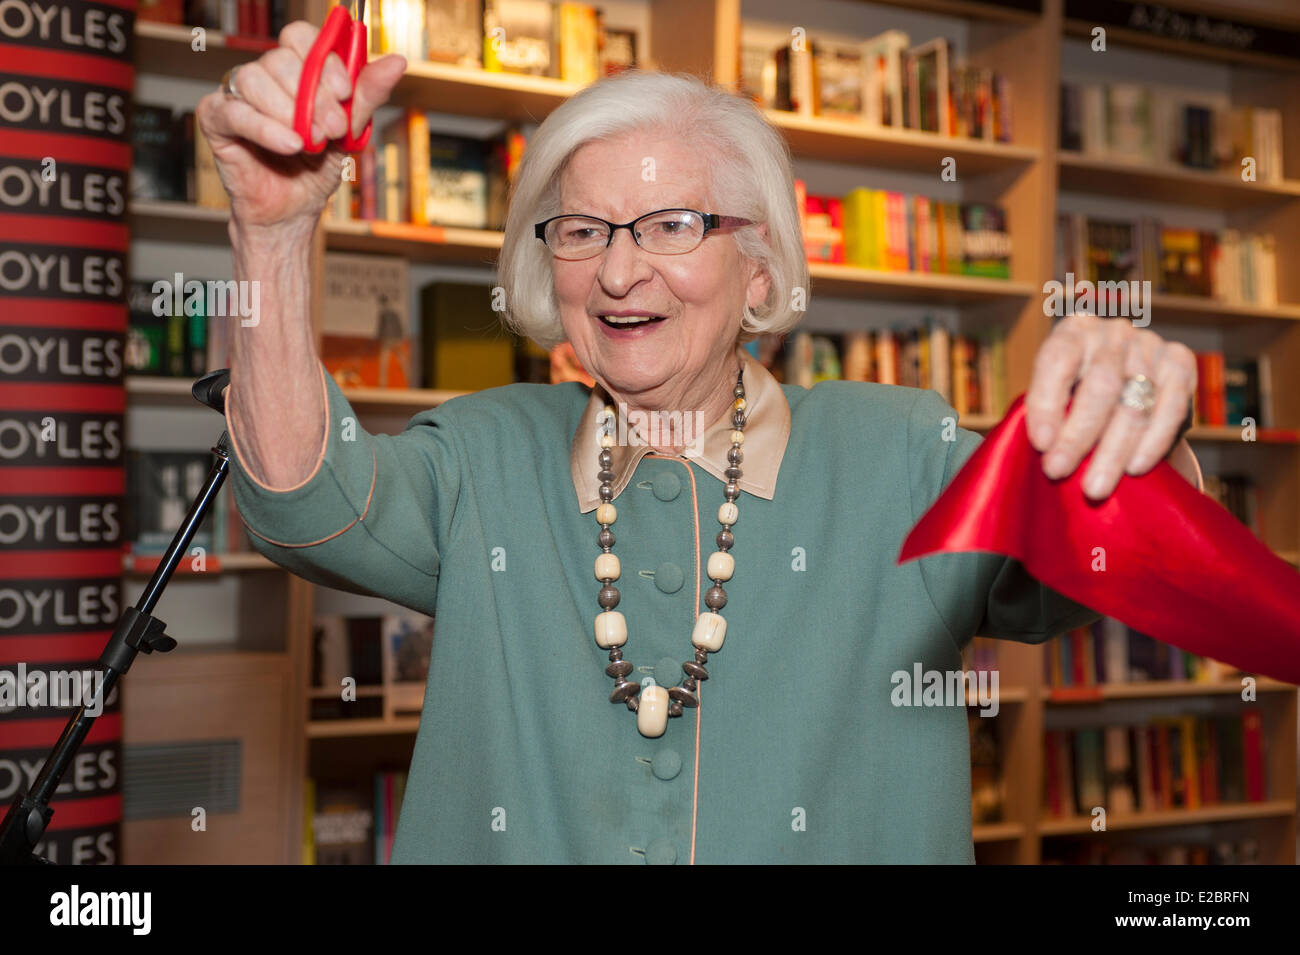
{"type": "Point", "coordinates": [1178, 566]}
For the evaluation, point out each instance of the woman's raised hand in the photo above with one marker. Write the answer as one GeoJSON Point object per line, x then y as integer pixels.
{"type": "Point", "coordinates": [259, 157]}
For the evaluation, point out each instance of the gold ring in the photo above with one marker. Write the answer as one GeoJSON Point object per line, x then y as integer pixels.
{"type": "Point", "coordinates": [228, 84]}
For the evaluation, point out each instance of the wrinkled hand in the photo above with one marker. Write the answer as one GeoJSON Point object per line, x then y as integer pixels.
{"type": "Point", "coordinates": [1100, 355]}
{"type": "Point", "coordinates": [259, 156]}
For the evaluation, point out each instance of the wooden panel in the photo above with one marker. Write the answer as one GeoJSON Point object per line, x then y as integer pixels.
{"type": "Point", "coordinates": [697, 36]}
{"type": "Point", "coordinates": [182, 697]}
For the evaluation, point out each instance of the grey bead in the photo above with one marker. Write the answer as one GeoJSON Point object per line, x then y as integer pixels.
{"type": "Point", "coordinates": [733, 473]}
{"type": "Point", "coordinates": [606, 458]}
{"type": "Point", "coordinates": [739, 390]}
{"type": "Point", "coordinates": [726, 540]}
{"type": "Point", "coordinates": [715, 598]}
{"type": "Point", "coordinates": [605, 476]}
{"type": "Point", "coordinates": [605, 539]}
{"type": "Point", "coordinates": [606, 493]}
{"type": "Point", "coordinates": [695, 670]}
{"type": "Point", "coordinates": [738, 419]}
{"type": "Point", "coordinates": [608, 597]}
{"type": "Point", "coordinates": [732, 491]}
{"type": "Point", "coordinates": [735, 456]}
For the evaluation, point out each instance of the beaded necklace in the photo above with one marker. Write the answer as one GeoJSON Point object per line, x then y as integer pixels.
{"type": "Point", "coordinates": [654, 704]}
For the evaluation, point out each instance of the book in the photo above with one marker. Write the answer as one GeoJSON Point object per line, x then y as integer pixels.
{"type": "Point", "coordinates": [988, 794]}
{"type": "Point", "coordinates": [578, 42]}
{"type": "Point", "coordinates": [157, 138]}
{"type": "Point", "coordinates": [407, 643]}
{"type": "Point", "coordinates": [986, 244]}
{"type": "Point", "coordinates": [463, 345]}
{"type": "Point", "coordinates": [519, 37]}
{"type": "Point", "coordinates": [927, 87]}
{"type": "Point", "coordinates": [616, 49]}
{"type": "Point", "coordinates": [882, 65]}
{"type": "Point", "coordinates": [161, 485]}
{"type": "Point", "coordinates": [365, 322]}
{"type": "Point", "coordinates": [343, 824]}
{"type": "Point", "coordinates": [454, 32]}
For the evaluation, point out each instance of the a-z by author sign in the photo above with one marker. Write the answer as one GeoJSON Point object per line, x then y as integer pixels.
{"type": "Point", "coordinates": [1194, 29]}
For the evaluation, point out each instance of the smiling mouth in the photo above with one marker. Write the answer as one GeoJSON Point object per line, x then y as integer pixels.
{"type": "Point", "coordinates": [630, 321]}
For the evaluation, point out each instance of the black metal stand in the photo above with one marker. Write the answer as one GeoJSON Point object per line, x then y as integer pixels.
{"type": "Point", "coordinates": [137, 631]}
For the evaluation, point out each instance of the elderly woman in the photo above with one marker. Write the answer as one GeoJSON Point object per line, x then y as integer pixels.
{"type": "Point", "coordinates": [719, 687]}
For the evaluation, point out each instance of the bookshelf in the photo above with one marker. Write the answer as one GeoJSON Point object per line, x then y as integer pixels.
{"type": "Point", "coordinates": [1027, 176]}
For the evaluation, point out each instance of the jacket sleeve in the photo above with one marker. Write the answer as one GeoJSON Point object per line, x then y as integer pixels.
{"type": "Point", "coordinates": [977, 593]}
{"type": "Point", "coordinates": [373, 514]}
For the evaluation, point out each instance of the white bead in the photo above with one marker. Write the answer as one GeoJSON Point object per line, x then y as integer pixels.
{"type": "Point", "coordinates": [611, 629]}
{"type": "Point", "coordinates": [721, 565]}
{"type": "Point", "coordinates": [607, 567]}
{"type": "Point", "coordinates": [606, 440]}
{"type": "Point", "coordinates": [606, 514]}
{"type": "Point", "coordinates": [737, 437]}
{"type": "Point", "coordinates": [652, 710]}
{"type": "Point", "coordinates": [710, 631]}
{"type": "Point", "coordinates": [728, 513]}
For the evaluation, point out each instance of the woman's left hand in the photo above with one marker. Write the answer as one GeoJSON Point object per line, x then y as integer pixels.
{"type": "Point", "coordinates": [1101, 355]}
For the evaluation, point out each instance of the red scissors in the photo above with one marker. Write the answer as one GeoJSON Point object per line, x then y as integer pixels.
{"type": "Point", "coordinates": [345, 36]}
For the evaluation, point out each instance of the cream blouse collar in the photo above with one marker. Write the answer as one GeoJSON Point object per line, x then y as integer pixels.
{"type": "Point", "coordinates": [767, 431]}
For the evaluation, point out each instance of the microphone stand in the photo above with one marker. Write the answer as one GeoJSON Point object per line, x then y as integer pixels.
{"type": "Point", "coordinates": [137, 631]}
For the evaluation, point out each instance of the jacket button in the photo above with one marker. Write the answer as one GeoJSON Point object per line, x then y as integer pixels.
{"type": "Point", "coordinates": [667, 486]}
{"type": "Point", "coordinates": [666, 764]}
{"type": "Point", "coordinates": [669, 578]}
{"type": "Point", "coordinates": [660, 853]}
{"type": "Point", "coordinates": [668, 671]}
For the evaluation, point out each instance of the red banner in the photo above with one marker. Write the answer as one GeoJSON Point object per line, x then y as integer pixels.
{"type": "Point", "coordinates": [1156, 554]}
{"type": "Point", "coordinates": [65, 161]}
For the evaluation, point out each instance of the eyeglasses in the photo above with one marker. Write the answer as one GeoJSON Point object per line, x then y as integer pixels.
{"type": "Point", "coordinates": [666, 232]}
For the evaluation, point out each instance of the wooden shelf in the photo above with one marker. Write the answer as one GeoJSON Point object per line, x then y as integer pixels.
{"type": "Point", "coordinates": [1171, 817]}
{"type": "Point", "coordinates": [446, 88]}
{"type": "Point", "coordinates": [165, 49]}
{"type": "Point", "coordinates": [997, 831]}
{"type": "Point", "coordinates": [144, 565]}
{"type": "Point", "coordinates": [162, 391]}
{"type": "Point", "coordinates": [398, 400]}
{"type": "Point", "coordinates": [1232, 434]}
{"type": "Point", "coordinates": [164, 221]}
{"type": "Point", "coordinates": [1193, 310]}
{"type": "Point", "coordinates": [1136, 180]}
{"type": "Point", "coordinates": [847, 281]}
{"type": "Point", "coordinates": [979, 422]}
{"type": "Point", "coordinates": [440, 244]}
{"type": "Point", "coordinates": [176, 391]}
{"type": "Point", "coordinates": [322, 729]}
{"type": "Point", "coordinates": [967, 10]}
{"type": "Point", "coordinates": [332, 693]}
{"type": "Point", "coordinates": [1154, 689]}
{"type": "Point", "coordinates": [845, 140]}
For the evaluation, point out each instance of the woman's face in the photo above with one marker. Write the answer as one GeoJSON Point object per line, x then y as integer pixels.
{"type": "Point", "coordinates": [698, 297]}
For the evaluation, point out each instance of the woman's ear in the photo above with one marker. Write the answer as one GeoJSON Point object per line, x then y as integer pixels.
{"type": "Point", "coordinates": [760, 280]}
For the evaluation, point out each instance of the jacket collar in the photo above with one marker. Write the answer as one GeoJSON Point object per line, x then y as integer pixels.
{"type": "Point", "coordinates": [767, 431]}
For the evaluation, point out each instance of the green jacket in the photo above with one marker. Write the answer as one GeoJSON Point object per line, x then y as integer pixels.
{"type": "Point", "coordinates": [797, 753]}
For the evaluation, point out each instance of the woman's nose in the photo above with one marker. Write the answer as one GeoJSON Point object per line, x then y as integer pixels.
{"type": "Point", "coordinates": [623, 264]}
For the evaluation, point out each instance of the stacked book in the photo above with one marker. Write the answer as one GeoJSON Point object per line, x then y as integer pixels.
{"type": "Point", "coordinates": [1131, 122]}
{"type": "Point", "coordinates": [885, 82]}
{"type": "Point", "coordinates": [898, 232]}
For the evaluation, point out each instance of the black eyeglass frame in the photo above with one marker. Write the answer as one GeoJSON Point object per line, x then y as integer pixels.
{"type": "Point", "coordinates": [712, 222]}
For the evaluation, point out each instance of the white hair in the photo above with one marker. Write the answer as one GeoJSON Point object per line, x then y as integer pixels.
{"type": "Point", "coordinates": [746, 160]}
